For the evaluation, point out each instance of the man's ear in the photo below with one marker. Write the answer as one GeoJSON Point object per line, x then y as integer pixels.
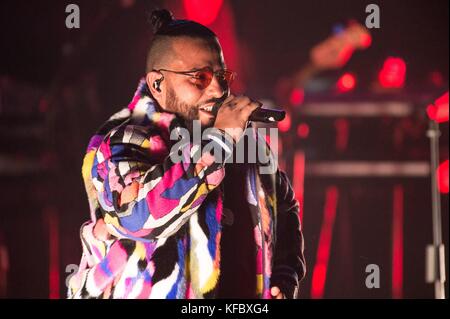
{"type": "Point", "coordinates": [155, 84]}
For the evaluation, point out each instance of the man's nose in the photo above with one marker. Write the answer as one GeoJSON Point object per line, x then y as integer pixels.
{"type": "Point", "coordinates": [215, 89]}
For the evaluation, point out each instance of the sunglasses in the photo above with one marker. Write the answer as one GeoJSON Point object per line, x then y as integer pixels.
{"type": "Point", "coordinates": [203, 77]}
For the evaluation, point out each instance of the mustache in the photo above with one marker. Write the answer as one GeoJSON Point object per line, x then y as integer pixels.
{"type": "Point", "coordinates": [217, 102]}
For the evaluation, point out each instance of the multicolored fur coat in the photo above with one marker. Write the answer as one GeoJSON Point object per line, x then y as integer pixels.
{"type": "Point", "coordinates": [155, 225]}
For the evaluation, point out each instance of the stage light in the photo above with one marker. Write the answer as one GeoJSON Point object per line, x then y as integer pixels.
{"type": "Point", "coordinates": [398, 213]}
{"type": "Point", "coordinates": [299, 180]}
{"type": "Point", "coordinates": [202, 11]}
{"type": "Point", "coordinates": [297, 96]}
{"type": "Point", "coordinates": [346, 83]}
{"type": "Point", "coordinates": [439, 110]}
{"type": "Point", "coordinates": [393, 73]}
{"type": "Point", "coordinates": [303, 130]}
{"type": "Point", "coordinates": [359, 34]}
{"type": "Point", "coordinates": [365, 40]}
{"type": "Point", "coordinates": [442, 177]}
{"type": "Point", "coordinates": [319, 274]}
{"type": "Point", "coordinates": [285, 124]}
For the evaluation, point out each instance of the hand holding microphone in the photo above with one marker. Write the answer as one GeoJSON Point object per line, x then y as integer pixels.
{"type": "Point", "coordinates": [236, 111]}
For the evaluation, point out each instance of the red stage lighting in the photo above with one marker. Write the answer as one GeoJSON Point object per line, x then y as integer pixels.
{"type": "Point", "coordinates": [397, 241]}
{"type": "Point", "coordinates": [346, 83]}
{"type": "Point", "coordinates": [303, 130]}
{"type": "Point", "coordinates": [299, 180]}
{"type": "Point", "coordinates": [365, 40]}
{"type": "Point", "coordinates": [319, 274]}
{"type": "Point", "coordinates": [297, 96]}
{"type": "Point", "coordinates": [393, 73]}
{"type": "Point", "coordinates": [442, 177]}
{"type": "Point", "coordinates": [342, 127]}
{"type": "Point", "coordinates": [202, 11]}
{"type": "Point", "coordinates": [285, 124]}
{"type": "Point", "coordinates": [439, 111]}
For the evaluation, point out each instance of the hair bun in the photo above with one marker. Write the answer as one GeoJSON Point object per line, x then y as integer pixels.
{"type": "Point", "coordinates": [160, 18]}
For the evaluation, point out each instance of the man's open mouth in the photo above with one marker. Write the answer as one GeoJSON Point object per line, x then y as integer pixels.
{"type": "Point", "coordinates": [207, 110]}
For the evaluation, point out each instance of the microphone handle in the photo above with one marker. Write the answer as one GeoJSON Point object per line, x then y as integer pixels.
{"type": "Point", "coordinates": [267, 115]}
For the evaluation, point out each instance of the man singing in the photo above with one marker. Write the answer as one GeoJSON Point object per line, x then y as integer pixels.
{"type": "Point", "coordinates": [174, 219]}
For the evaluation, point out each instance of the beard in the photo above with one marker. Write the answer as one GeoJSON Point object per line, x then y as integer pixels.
{"type": "Point", "coordinates": [174, 105]}
{"type": "Point", "coordinates": [188, 112]}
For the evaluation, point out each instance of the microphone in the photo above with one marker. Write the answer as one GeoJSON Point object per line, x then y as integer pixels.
{"type": "Point", "coordinates": [267, 115]}
{"type": "Point", "coordinates": [259, 115]}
